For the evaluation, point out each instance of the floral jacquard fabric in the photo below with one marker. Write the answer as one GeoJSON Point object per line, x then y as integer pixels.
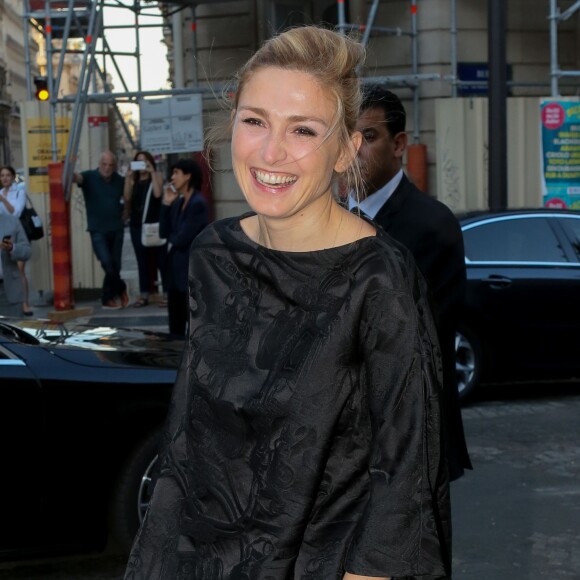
{"type": "Point", "coordinates": [303, 436]}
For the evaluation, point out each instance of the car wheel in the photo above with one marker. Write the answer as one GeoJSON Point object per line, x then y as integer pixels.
{"type": "Point", "coordinates": [467, 363]}
{"type": "Point", "coordinates": [132, 492]}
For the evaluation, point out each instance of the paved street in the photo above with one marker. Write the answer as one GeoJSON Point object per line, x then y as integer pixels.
{"type": "Point", "coordinates": [517, 516]}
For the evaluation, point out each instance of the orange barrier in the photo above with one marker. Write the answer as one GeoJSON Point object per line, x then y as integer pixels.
{"type": "Point", "coordinates": [61, 239]}
{"type": "Point", "coordinates": [417, 165]}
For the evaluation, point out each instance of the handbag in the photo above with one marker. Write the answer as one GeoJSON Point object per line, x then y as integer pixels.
{"type": "Point", "coordinates": [31, 223]}
{"type": "Point", "coordinates": [150, 232]}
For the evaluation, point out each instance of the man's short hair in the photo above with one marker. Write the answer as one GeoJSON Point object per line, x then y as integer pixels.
{"type": "Point", "coordinates": [374, 96]}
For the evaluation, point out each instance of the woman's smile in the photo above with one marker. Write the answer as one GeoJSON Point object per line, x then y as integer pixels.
{"type": "Point", "coordinates": [274, 180]}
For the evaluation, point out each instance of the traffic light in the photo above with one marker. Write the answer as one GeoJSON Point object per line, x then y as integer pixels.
{"type": "Point", "coordinates": [41, 84]}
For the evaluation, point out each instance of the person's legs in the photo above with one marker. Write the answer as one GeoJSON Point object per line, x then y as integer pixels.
{"type": "Point", "coordinates": [177, 312]}
{"type": "Point", "coordinates": [161, 259]}
{"type": "Point", "coordinates": [102, 252]}
{"type": "Point", "coordinates": [142, 261]}
{"type": "Point", "coordinates": [116, 244]}
{"type": "Point", "coordinates": [7, 308]}
{"type": "Point", "coordinates": [25, 306]}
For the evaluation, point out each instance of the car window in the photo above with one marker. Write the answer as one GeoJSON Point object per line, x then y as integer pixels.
{"type": "Point", "coordinates": [572, 228]}
{"type": "Point", "coordinates": [513, 240]}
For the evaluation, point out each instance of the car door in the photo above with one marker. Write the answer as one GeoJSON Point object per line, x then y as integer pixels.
{"type": "Point", "coordinates": [21, 439]}
{"type": "Point", "coordinates": [522, 282]}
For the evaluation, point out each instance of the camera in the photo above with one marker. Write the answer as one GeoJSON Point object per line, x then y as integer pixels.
{"type": "Point", "coordinates": [138, 165]}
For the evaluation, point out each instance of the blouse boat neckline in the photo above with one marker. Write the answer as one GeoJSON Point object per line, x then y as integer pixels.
{"type": "Point", "coordinates": [322, 251]}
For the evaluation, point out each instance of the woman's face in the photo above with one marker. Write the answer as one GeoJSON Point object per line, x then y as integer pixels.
{"type": "Point", "coordinates": [180, 180]}
{"type": "Point", "coordinates": [6, 178]}
{"type": "Point", "coordinates": [282, 155]}
{"type": "Point", "coordinates": [143, 172]}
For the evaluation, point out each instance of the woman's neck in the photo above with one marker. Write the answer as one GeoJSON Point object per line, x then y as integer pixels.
{"type": "Point", "coordinates": [314, 228]}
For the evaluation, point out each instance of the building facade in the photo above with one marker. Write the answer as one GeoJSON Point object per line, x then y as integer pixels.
{"type": "Point", "coordinates": [218, 37]}
{"type": "Point", "coordinates": [13, 81]}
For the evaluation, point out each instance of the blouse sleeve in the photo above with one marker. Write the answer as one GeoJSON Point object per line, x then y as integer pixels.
{"type": "Point", "coordinates": [18, 199]}
{"type": "Point", "coordinates": [405, 527]}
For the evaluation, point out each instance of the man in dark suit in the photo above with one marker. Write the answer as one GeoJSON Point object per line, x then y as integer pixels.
{"type": "Point", "coordinates": [428, 228]}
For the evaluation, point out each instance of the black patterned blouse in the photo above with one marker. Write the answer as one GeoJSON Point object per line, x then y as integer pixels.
{"type": "Point", "coordinates": [303, 434]}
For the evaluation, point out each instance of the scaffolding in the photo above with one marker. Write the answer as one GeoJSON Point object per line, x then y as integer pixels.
{"type": "Point", "coordinates": [556, 16]}
{"type": "Point", "coordinates": [62, 20]}
{"type": "Point", "coordinates": [412, 80]}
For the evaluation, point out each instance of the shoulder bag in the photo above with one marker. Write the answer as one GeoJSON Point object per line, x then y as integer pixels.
{"type": "Point", "coordinates": [30, 221]}
{"type": "Point", "coordinates": [150, 232]}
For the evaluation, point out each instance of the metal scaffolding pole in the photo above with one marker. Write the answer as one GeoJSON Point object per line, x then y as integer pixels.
{"type": "Point", "coordinates": [555, 72]}
{"type": "Point", "coordinates": [50, 82]}
{"type": "Point", "coordinates": [410, 80]}
{"type": "Point", "coordinates": [497, 140]}
{"type": "Point", "coordinates": [80, 102]}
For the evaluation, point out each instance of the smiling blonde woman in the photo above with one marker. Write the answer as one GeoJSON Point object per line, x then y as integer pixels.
{"type": "Point", "coordinates": [303, 439]}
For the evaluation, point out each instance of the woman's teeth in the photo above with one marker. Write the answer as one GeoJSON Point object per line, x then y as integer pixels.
{"type": "Point", "coordinates": [271, 179]}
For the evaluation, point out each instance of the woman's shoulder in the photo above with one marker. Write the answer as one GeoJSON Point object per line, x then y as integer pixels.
{"type": "Point", "coordinates": [216, 232]}
{"type": "Point", "coordinates": [17, 189]}
{"type": "Point", "coordinates": [386, 262]}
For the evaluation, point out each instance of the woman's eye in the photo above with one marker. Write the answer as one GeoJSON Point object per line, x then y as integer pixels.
{"type": "Point", "coordinates": [306, 132]}
{"type": "Point", "coordinates": [252, 121]}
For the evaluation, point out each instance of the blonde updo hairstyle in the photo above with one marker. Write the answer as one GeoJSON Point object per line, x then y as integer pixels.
{"type": "Point", "coordinates": [332, 59]}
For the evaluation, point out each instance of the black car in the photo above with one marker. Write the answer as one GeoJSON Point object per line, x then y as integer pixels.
{"type": "Point", "coordinates": [81, 408]}
{"type": "Point", "coordinates": [522, 313]}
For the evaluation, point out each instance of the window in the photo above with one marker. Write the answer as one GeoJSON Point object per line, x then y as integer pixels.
{"type": "Point", "coordinates": [513, 240]}
{"type": "Point", "coordinates": [572, 228]}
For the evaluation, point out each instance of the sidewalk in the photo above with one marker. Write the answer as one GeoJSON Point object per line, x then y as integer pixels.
{"type": "Point", "coordinates": [150, 317]}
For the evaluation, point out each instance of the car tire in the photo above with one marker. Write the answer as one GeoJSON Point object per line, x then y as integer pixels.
{"type": "Point", "coordinates": [132, 492]}
{"type": "Point", "coordinates": [468, 363]}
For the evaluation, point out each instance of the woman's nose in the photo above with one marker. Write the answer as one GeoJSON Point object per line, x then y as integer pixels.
{"type": "Point", "coordinates": [274, 147]}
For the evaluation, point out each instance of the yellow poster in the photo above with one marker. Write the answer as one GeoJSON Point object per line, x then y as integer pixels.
{"type": "Point", "coordinates": [40, 149]}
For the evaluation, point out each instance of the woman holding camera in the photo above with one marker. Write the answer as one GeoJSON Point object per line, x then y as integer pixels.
{"type": "Point", "coordinates": [143, 190]}
{"type": "Point", "coordinates": [12, 202]}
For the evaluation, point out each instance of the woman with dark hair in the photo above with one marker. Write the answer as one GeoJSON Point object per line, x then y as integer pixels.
{"type": "Point", "coordinates": [184, 213]}
{"type": "Point", "coordinates": [143, 189]}
{"type": "Point", "coordinates": [12, 202]}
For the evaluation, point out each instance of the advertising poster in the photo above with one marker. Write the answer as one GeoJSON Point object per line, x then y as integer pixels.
{"type": "Point", "coordinates": [39, 147]}
{"type": "Point", "coordinates": [561, 152]}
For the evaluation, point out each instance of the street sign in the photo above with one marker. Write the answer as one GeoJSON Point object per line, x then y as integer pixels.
{"type": "Point", "coordinates": [172, 125]}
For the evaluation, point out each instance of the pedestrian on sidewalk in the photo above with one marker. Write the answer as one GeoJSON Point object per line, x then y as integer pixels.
{"type": "Point", "coordinates": [143, 189]}
{"type": "Point", "coordinates": [12, 202]}
{"type": "Point", "coordinates": [304, 436]}
{"type": "Point", "coordinates": [14, 248]}
{"type": "Point", "coordinates": [184, 214]}
{"type": "Point", "coordinates": [103, 193]}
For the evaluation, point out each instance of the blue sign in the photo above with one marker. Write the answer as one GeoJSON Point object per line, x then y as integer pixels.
{"type": "Point", "coordinates": [476, 75]}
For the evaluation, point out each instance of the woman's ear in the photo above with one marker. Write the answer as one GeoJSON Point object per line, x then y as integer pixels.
{"type": "Point", "coordinates": [349, 152]}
